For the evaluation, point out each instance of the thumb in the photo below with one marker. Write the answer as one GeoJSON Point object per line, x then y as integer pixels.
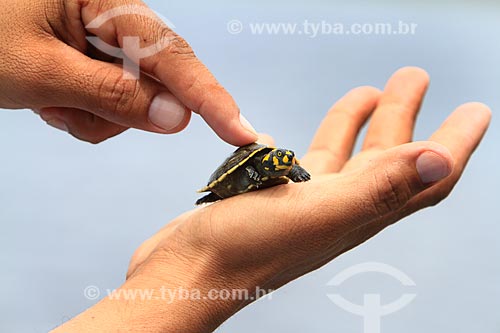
{"type": "Point", "coordinates": [391, 180]}
{"type": "Point", "coordinates": [79, 82]}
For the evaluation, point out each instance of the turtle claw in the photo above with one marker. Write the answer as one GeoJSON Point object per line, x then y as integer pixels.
{"type": "Point", "coordinates": [212, 197]}
{"type": "Point", "coordinates": [299, 174]}
{"type": "Point", "coordinates": [253, 174]}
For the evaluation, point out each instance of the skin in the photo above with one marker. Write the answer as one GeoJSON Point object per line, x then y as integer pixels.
{"type": "Point", "coordinates": [271, 242]}
{"type": "Point", "coordinates": [47, 65]}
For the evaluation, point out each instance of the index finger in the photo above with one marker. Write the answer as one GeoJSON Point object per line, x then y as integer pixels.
{"type": "Point", "coordinates": [168, 57]}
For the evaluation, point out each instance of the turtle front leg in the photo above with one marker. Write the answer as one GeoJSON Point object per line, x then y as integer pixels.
{"type": "Point", "coordinates": [298, 174]}
{"type": "Point", "coordinates": [253, 174]}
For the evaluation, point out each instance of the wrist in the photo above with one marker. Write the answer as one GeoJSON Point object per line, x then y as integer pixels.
{"type": "Point", "coordinates": [195, 295]}
{"type": "Point", "coordinates": [169, 294]}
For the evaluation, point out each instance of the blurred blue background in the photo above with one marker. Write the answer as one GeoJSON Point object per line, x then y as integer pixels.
{"type": "Point", "coordinates": [72, 214]}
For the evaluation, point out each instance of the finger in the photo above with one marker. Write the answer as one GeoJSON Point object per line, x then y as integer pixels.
{"type": "Point", "coordinates": [461, 133]}
{"type": "Point", "coordinates": [81, 124]}
{"type": "Point", "coordinates": [72, 80]}
{"type": "Point", "coordinates": [393, 121]}
{"type": "Point", "coordinates": [174, 63]}
{"type": "Point", "coordinates": [266, 139]}
{"type": "Point", "coordinates": [334, 141]}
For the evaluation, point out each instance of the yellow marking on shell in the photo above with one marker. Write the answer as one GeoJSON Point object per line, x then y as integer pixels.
{"type": "Point", "coordinates": [265, 179]}
{"type": "Point", "coordinates": [224, 176]}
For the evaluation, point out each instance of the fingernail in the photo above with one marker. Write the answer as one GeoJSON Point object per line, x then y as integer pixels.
{"type": "Point", "coordinates": [246, 124]}
{"type": "Point", "coordinates": [432, 167]}
{"type": "Point", "coordinates": [166, 111]}
{"type": "Point", "coordinates": [59, 124]}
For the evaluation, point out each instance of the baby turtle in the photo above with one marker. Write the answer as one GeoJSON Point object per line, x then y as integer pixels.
{"type": "Point", "coordinates": [251, 168]}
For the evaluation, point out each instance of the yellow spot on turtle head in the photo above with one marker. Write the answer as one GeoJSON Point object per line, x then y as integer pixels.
{"type": "Point", "coordinates": [266, 158]}
{"type": "Point", "coordinates": [285, 159]}
{"type": "Point", "coordinates": [276, 162]}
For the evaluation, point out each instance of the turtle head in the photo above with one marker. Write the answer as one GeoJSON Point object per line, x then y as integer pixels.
{"type": "Point", "coordinates": [278, 162]}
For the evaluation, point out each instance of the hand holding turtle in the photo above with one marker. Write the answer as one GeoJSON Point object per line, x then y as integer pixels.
{"type": "Point", "coordinates": [48, 65]}
{"type": "Point", "coordinates": [267, 238]}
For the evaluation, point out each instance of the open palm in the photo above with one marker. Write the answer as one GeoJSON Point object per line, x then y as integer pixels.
{"type": "Point", "coordinates": [270, 237]}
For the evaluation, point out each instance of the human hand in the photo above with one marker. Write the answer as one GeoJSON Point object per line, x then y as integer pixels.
{"type": "Point", "coordinates": [47, 65]}
{"type": "Point", "coordinates": [267, 238]}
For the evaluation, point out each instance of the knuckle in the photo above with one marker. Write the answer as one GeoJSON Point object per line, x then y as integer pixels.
{"type": "Point", "coordinates": [117, 95]}
{"type": "Point", "coordinates": [352, 116]}
{"type": "Point", "coordinates": [91, 138]}
{"type": "Point", "coordinates": [93, 129]}
{"type": "Point", "coordinates": [389, 192]}
{"type": "Point", "coordinates": [356, 115]}
{"type": "Point", "coordinates": [339, 112]}
{"type": "Point", "coordinates": [95, 140]}
{"type": "Point", "coordinates": [176, 44]}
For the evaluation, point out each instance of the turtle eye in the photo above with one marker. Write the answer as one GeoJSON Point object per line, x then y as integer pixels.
{"type": "Point", "coordinates": [280, 154]}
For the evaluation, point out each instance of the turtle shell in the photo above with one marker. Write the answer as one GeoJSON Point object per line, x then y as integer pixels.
{"type": "Point", "coordinates": [233, 163]}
